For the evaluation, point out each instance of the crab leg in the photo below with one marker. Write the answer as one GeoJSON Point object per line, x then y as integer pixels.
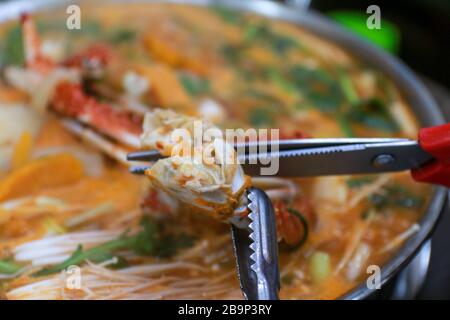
{"type": "Point", "coordinates": [69, 100]}
{"type": "Point", "coordinates": [92, 137]}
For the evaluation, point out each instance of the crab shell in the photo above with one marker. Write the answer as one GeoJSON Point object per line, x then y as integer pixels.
{"type": "Point", "coordinates": [213, 182]}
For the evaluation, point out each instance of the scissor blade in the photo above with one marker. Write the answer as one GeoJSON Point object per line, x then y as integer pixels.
{"type": "Point", "coordinates": [339, 160]}
{"type": "Point", "coordinates": [150, 155]}
{"type": "Point", "coordinates": [291, 144]}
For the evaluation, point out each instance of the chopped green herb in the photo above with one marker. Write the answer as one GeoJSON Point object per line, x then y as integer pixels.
{"type": "Point", "coordinates": [379, 201]}
{"type": "Point", "coordinates": [373, 113]}
{"type": "Point", "coordinates": [149, 241]}
{"type": "Point", "coordinates": [49, 25]}
{"type": "Point", "coordinates": [402, 197]}
{"type": "Point", "coordinates": [347, 88]}
{"type": "Point", "coordinates": [228, 15]}
{"type": "Point", "coordinates": [90, 27]}
{"type": "Point", "coordinates": [120, 263]}
{"type": "Point", "coordinates": [282, 43]}
{"type": "Point", "coordinates": [194, 85]}
{"type": "Point", "coordinates": [254, 31]}
{"type": "Point", "coordinates": [359, 182]}
{"type": "Point", "coordinates": [11, 46]}
{"type": "Point", "coordinates": [262, 33]}
{"type": "Point", "coordinates": [96, 254]}
{"type": "Point", "coordinates": [395, 196]}
{"type": "Point", "coordinates": [261, 117]}
{"type": "Point", "coordinates": [232, 53]}
{"type": "Point", "coordinates": [259, 31]}
{"type": "Point", "coordinates": [303, 76]}
{"type": "Point", "coordinates": [122, 35]}
{"type": "Point", "coordinates": [345, 126]}
{"type": "Point", "coordinates": [9, 267]}
{"type": "Point", "coordinates": [263, 96]}
{"type": "Point", "coordinates": [172, 244]}
{"type": "Point", "coordinates": [318, 87]}
{"type": "Point", "coordinates": [301, 106]}
{"type": "Point", "coordinates": [326, 102]}
{"type": "Point", "coordinates": [375, 121]}
{"type": "Point", "coordinates": [12, 52]}
{"type": "Point", "coordinates": [278, 78]}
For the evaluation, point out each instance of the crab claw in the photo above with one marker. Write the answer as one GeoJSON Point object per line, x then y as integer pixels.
{"type": "Point", "coordinates": [70, 100]}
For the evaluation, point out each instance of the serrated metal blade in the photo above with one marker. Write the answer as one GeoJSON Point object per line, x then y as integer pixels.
{"type": "Point", "coordinates": [242, 252]}
{"type": "Point", "coordinates": [338, 160]}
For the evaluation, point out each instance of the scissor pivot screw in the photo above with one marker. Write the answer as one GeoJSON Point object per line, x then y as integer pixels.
{"type": "Point", "coordinates": [383, 160]}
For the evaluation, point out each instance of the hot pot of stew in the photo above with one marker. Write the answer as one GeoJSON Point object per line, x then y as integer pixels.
{"type": "Point", "coordinates": [68, 201]}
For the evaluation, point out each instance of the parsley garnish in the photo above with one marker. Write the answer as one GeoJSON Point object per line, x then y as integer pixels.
{"type": "Point", "coordinates": [149, 241]}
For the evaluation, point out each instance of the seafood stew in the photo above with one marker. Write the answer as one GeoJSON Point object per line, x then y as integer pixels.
{"type": "Point", "coordinates": [74, 102]}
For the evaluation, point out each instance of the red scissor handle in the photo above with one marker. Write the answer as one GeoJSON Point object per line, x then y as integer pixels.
{"type": "Point", "coordinates": [436, 141]}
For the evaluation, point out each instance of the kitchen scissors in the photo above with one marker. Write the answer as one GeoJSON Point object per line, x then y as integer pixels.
{"type": "Point", "coordinates": [254, 238]}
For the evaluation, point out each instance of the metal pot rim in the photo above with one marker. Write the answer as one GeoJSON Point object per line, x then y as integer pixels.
{"type": "Point", "coordinates": [411, 88]}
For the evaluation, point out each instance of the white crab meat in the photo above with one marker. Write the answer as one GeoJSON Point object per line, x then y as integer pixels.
{"type": "Point", "coordinates": [199, 170]}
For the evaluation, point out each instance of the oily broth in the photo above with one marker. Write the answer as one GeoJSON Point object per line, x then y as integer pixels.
{"type": "Point", "coordinates": [333, 229]}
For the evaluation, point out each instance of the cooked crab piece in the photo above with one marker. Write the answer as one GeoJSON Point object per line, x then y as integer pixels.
{"type": "Point", "coordinates": [58, 87]}
{"type": "Point", "coordinates": [201, 172]}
